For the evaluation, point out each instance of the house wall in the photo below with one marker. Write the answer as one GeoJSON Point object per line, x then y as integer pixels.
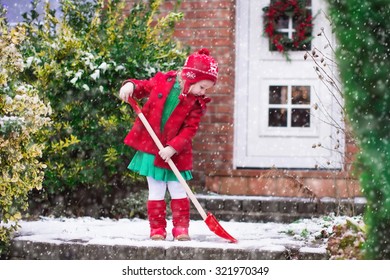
{"type": "Point", "coordinates": [211, 24]}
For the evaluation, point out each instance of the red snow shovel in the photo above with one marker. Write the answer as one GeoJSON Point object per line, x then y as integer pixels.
{"type": "Point", "coordinates": [209, 219]}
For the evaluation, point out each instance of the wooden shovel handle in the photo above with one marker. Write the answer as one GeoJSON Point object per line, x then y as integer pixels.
{"type": "Point", "coordinates": [171, 164]}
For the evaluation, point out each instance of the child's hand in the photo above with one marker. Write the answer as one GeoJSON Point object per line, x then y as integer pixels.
{"type": "Point", "coordinates": [126, 91]}
{"type": "Point", "coordinates": [167, 153]}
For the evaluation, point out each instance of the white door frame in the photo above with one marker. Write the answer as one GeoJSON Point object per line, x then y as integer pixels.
{"type": "Point", "coordinates": [248, 14]}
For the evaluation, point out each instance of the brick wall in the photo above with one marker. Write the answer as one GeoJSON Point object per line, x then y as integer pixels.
{"type": "Point", "coordinates": [210, 24]}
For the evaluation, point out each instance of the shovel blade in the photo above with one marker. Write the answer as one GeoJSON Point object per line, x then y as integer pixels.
{"type": "Point", "coordinates": [215, 227]}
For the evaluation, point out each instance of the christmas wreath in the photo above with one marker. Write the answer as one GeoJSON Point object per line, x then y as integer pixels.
{"type": "Point", "coordinates": [302, 19]}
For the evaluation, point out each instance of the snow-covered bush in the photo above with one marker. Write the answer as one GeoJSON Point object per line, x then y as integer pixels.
{"type": "Point", "coordinates": [346, 241]}
{"type": "Point", "coordinates": [78, 63]}
{"type": "Point", "coordinates": [22, 116]}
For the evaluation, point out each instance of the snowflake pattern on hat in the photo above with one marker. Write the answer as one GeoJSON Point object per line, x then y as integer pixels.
{"type": "Point", "coordinates": [214, 69]}
{"type": "Point", "coordinates": [190, 75]}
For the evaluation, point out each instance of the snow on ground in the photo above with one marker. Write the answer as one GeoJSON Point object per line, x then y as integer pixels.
{"type": "Point", "coordinates": [134, 232]}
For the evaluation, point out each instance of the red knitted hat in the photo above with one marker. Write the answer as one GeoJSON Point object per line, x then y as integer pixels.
{"type": "Point", "coordinates": [199, 66]}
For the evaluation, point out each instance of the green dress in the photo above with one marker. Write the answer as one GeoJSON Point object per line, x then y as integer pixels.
{"type": "Point", "coordinates": [143, 163]}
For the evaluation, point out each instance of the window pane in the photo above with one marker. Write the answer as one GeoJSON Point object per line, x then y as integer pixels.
{"type": "Point", "coordinates": [277, 117]}
{"type": "Point", "coordinates": [300, 118]}
{"type": "Point", "coordinates": [278, 95]}
{"type": "Point", "coordinates": [300, 95]}
{"type": "Point", "coordinates": [282, 22]}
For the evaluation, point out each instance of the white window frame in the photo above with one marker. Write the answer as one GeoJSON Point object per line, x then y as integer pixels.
{"type": "Point", "coordinates": [266, 130]}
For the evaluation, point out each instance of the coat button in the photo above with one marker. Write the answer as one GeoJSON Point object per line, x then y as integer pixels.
{"type": "Point", "coordinates": [160, 95]}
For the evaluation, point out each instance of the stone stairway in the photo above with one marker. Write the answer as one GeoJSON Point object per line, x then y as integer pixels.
{"type": "Point", "coordinates": [225, 208]}
{"type": "Point", "coordinates": [275, 209]}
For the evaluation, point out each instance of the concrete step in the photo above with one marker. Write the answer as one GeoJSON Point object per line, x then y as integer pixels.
{"type": "Point", "coordinates": [29, 250]}
{"type": "Point", "coordinates": [275, 209]}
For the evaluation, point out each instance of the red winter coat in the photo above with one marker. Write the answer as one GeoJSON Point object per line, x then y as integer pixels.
{"type": "Point", "coordinates": [179, 129]}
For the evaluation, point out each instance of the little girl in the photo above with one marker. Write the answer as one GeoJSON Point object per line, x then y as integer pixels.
{"type": "Point", "coordinates": [176, 102]}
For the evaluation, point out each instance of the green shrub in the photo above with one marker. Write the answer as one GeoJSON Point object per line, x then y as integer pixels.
{"type": "Point", "coordinates": [22, 115]}
{"type": "Point", "coordinates": [131, 207]}
{"type": "Point", "coordinates": [78, 64]}
{"type": "Point", "coordinates": [362, 29]}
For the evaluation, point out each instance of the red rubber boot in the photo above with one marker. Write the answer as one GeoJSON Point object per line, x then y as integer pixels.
{"type": "Point", "coordinates": [156, 214]}
{"type": "Point", "coordinates": [181, 218]}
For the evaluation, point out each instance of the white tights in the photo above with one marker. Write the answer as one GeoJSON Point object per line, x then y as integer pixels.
{"type": "Point", "coordinates": [157, 189]}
